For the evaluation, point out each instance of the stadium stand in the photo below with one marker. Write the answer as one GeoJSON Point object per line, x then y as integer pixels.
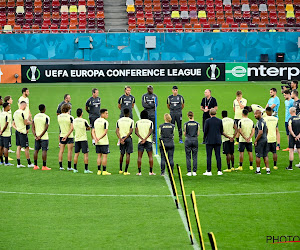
{"type": "Point", "coordinates": [213, 16]}
{"type": "Point", "coordinates": [52, 16]}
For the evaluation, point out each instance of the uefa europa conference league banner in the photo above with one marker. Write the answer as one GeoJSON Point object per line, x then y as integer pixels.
{"type": "Point", "coordinates": [161, 72]}
{"type": "Point", "coordinates": [124, 72]}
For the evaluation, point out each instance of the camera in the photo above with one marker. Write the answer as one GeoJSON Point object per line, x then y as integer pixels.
{"type": "Point", "coordinates": [288, 84]}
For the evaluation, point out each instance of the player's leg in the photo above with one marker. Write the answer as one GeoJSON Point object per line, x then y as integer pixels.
{"type": "Point", "coordinates": [266, 161]}
{"type": "Point", "coordinates": [44, 157]}
{"type": "Point", "coordinates": [76, 161]}
{"type": "Point", "coordinates": [241, 150]}
{"type": "Point", "coordinates": [6, 150]}
{"type": "Point", "coordinates": [195, 157]}
{"type": "Point", "coordinates": [163, 160]}
{"type": "Point", "coordinates": [30, 165]}
{"type": "Point", "coordinates": [258, 160]}
{"type": "Point", "coordinates": [139, 162]}
{"type": "Point", "coordinates": [188, 151]}
{"type": "Point", "coordinates": [275, 160]}
{"type": "Point", "coordinates": [291, 158]}
{"type": "Point", "coordinates": [250, 154]}
{"type": "Point", "coordinates": [241, 161]}
{"type": "Point", "coordinates": [121, 163]}
{"type": "Point", "coordinates": [218, 158]}
{"type": "Point", "coordinates": [77, 151]}
{"type": "Point", "coordinates": [150, 156]}
{"type": "Point", "coordinates": [209, 149]}
{"type": "Point", "coordinates": [60, 155]}
{"type": "Point", "coordinates": [179, 126]}
{"type": "Point", "coordinates": [265, 156]}
{"type": "Point", "coordinates": [128, 150]}
{"type": "Point", "coordinates": [127, 164]}
{"type": "Point", "coordinates": [35, 159]}
{"type": "Point", "coordinates": [99, 156]}
{"type": "Point", "coordinates": [70, 154]}
{"type": "Point", "coordinates": [291, 152]}
{"type": "Point", "coordinates": [1, 155]}
{"type": "Point", "coordinates": [278, 140]}
{"type": "Point", "coordinates": [228, 156]}
{"type": "Point", "coordinates": [104, 164]}
{"type": "Point", "coordinates": [171, 156]}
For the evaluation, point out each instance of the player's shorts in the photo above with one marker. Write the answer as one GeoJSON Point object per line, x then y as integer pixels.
{"type": "Point", "coordinates": [27, 127]}
{"type": "Point", "coordinates": [68, 141]}
{"type": "Point", "coordinates": [236, 122]}
{"type": "Point", "coordinates": [247, 145]}
{"type": "Point", "coordinates": [92, 121]}
{"type": "Point", "coordinates": [127, 147]}
{"type": "Point", "coordinates": [272, 147]}
{"type": "Point", "coordinates": [261, 149]}
{"type": "Point", "coordinates": [228, 147]}
{"type": "Point", "coordinates": [146, 146]}
{"type": "Point", "coordinates": [42, 144]}
{"type": "Point", "coordinates": [81, 145]}
{"type": "Point", "coordinates": [287, 128]}
{"type": "Point", "coordinates": [293, 142]}
{"type": "Point", "coordinates": [102, 149]}
{"type": "Point", "coordinates": [22, 140]}
{"type": "Point", "coordinates": [5, 142]}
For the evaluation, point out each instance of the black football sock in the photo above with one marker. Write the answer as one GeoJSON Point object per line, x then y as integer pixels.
{"type": "Point", "coordinates": [126, 168]}
{"type": "Point", "coordinates": [99, 167]}
{"type": "Point", "coordinates": [238, 139]}
{"type": "Point", "coordinates": [6, 160]}
{"type": "Point", "coordinates": [251, 163]}
{"type": "Point", "coordinates": [60, 164]}
{"type": "Point", "coordinates": [140, 170]}
{"type": "Point", "coordinates": [1, 159]}
{"type": "Point", "coordinates": [151, 170]}
{"type": "Point", "coordinates": [232, 164]}
{"type": "Point", "coordinates": [69, 164]}
{"type": "Point", "coordinates": [241, 164]}
{"type": "Point", "coordinates": [18, 161]}
{"type": "Point", "coordinates": [44, 163]}
{"type": "Point", "coordinates": [29, 161]}
{"type": "Point", "coordinates": [291, 164]}
{"type": "Point", "coordinates": [275, 163]}
{"type": "Point", "coordinates": [121, 166]}
{"type": "Point", "coordinates": [35, 162]}
{"type": "Point", "coordinates": [104, 168]}
{"type": "Point", "coordinates": [228, 165]}
{"type": "Point", "coordinates": [75, 166]}
{"type": "Point", "coordinates": [86, 166]}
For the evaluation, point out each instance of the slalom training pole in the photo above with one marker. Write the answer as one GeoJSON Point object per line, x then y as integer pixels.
{"type": "Point", "coordinates": [185, 205]}
{"type": "Point", "coordinates": [213, 241]}
{"type": "Point", "coordinates": [171, 176]}
{"type": "Point", "coordinates": [193, 197]}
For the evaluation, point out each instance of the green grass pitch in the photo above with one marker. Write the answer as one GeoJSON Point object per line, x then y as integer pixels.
{"type": "Point", "coordinates": [38, 210]}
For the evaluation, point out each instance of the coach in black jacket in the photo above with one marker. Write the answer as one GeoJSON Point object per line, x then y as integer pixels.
{"type": "Point", "coordinates": [213, 130]}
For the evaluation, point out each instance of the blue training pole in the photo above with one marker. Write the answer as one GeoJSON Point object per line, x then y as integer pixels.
{"type": "Point", "coordinates": [156, 137]}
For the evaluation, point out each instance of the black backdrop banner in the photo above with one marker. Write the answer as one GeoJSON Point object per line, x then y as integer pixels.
{"type": "Point", "coordinates": [123, 72]}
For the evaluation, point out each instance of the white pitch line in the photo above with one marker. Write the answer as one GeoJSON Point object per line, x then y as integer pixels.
{"type": "Point", "coordinates": [180, 210]}
{"type": "Point", "coordinates": [89, 195]}
{"type": "Point", "coordinates": [145, 195]}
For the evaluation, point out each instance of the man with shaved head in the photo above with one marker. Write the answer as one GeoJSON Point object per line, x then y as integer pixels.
{"type": "Point", "coordinates": [208, 102]}
{"type": "Point", "coordinates": [261, 142]}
